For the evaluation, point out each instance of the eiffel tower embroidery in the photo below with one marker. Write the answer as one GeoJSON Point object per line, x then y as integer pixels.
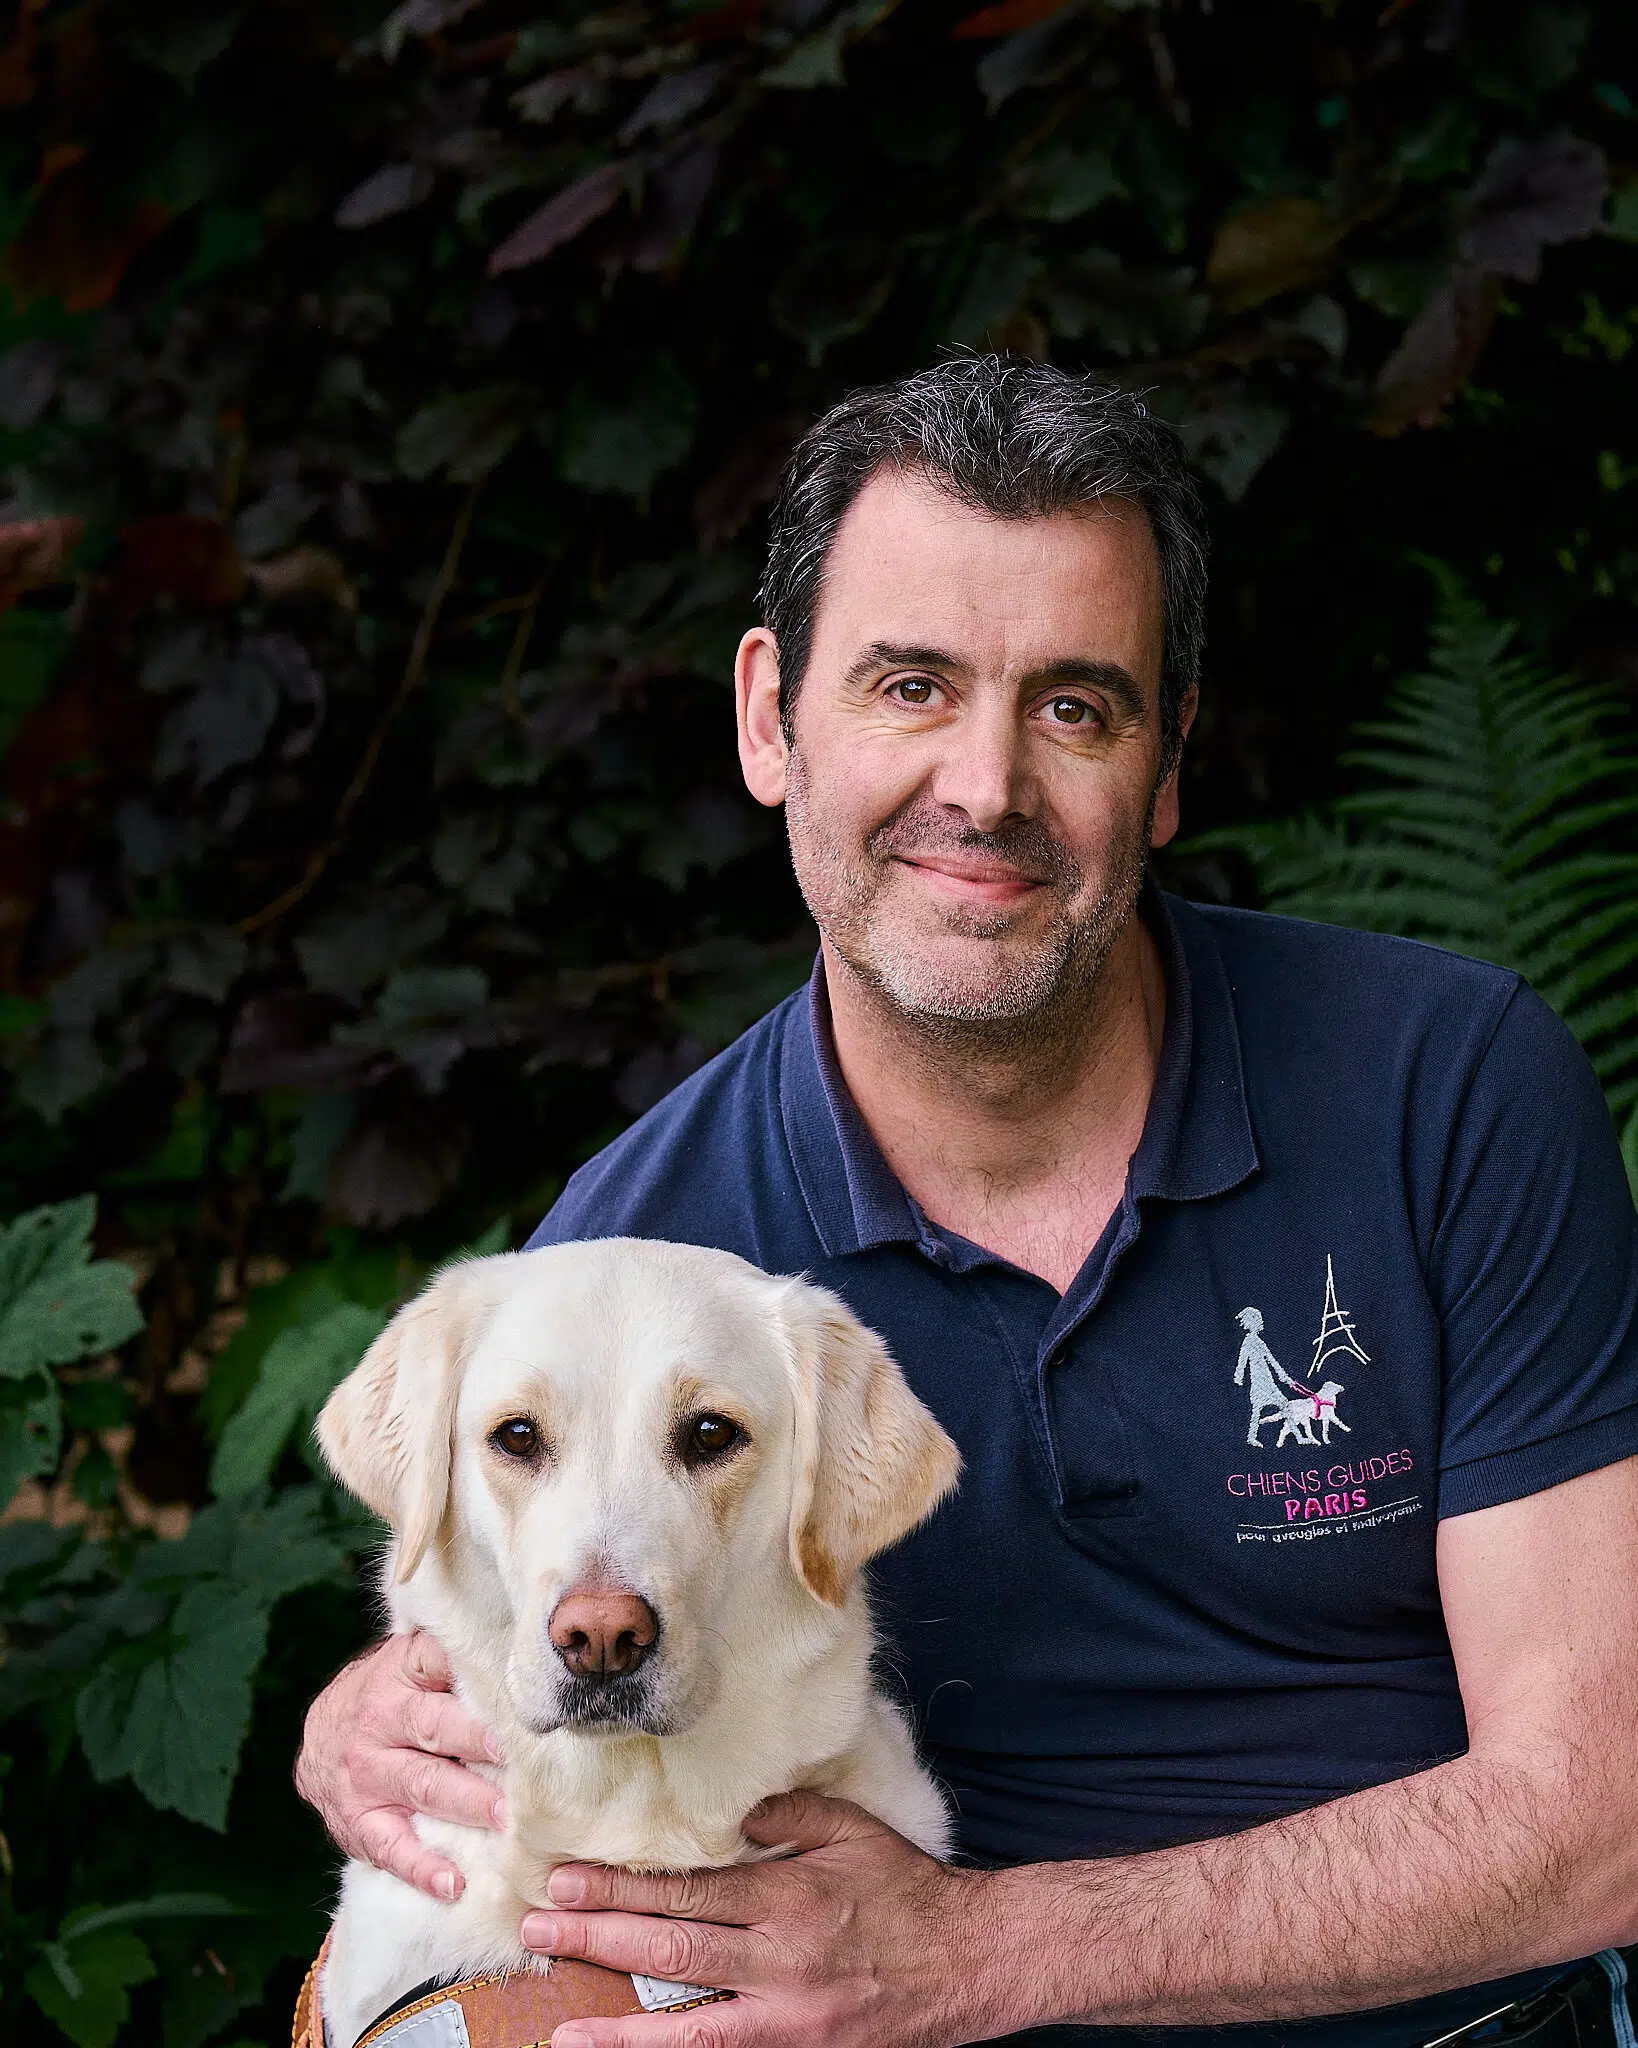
{"type": "Point", "coordinates": [1336, 1330]}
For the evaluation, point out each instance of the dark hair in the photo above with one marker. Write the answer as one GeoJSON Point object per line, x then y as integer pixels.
{"type": "Point", "coordinates": [1013, 438]}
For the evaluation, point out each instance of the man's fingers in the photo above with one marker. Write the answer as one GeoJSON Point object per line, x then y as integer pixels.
{"type": "Point", "coordinates": [432, 1785]}
{"type": "Point", "coordinates": [385, 1838]}
{"type": "Point", "coordinates": [808, 1820]}
{"type": "Point", "coordinates": [707, 2026]}
{"type": "Point", "coordinates": [422, 1711]}
{"type": "Point", "coordinates": [675, 1951]}
{"type": "Point", "coordinates": [439, 1724]}
{"type": "Point", "coordinates": [424, 1662]}
{"type": "Point", "coordinates": [728, 1896]}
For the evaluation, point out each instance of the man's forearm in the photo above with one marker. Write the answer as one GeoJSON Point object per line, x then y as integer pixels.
{"type": "Point", "coordinates": [1471, 1870]}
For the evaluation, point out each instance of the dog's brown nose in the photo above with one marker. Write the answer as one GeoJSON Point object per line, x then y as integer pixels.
{"type": "Point", "coordinates": [602, 1635]}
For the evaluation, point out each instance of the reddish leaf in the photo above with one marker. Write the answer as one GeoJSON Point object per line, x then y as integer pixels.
{"type": "Point", "coordinates": [395, 188]}
{"type": "Point", "coordinates": [673, 202]}
{"type": "Point", "coordinates": [178, 556]}
{"type": "Point", "coordinates": [723, 23]}
{"type": "Point", "coordinates": [17, 58]}
{"type": "Point", "coordinates": [34, 552]}
{"type": "Point", "coordinates": [283, 1041]}
{"type": "Point", "coordinates": [74, 250]}
{"type": "Point", "coordinates": [746, 480]}
{"type": "Point", "coordinates": [569, 213]}
{"type": "Point", "coordinates": [1436, 353]}
{"type": "Point", "coordinates": [1007, 18]}
{"type": "Point", "coordinates": [1529, 196]}
{"type": "Point", "coordinates": [395, 1163]}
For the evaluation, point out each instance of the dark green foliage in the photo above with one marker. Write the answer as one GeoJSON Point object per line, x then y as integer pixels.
{"type": "Point", "coordinates": [389, 403]}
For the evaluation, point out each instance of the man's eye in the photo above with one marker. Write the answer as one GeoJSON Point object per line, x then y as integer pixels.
{"type": "Point", "coordinates": [914, 690]}
{"type": "Point", "coordinates": [706, 1438]}
{"type": "Point", "coordinates": [1070, 710]}
{"type": "Point", "coordinates": [517, 1437]}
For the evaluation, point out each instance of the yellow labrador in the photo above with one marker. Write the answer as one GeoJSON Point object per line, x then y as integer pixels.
{"type": "Point", "coordinates": [630, 1487]}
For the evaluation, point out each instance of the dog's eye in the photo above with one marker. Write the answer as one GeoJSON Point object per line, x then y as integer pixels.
{"type": "Point", "coordinates": [517, 1437]}
{"type": "Point", "coordinates": [709, 1437]}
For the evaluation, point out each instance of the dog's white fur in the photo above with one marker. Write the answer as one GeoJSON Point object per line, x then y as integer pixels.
{"type": "Point", "coordinates": [760, 1681]}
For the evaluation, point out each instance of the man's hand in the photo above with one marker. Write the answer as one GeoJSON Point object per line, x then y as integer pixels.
{"type": "Point", "coordinates": [388, 1739]}
{"type": "Point", "coordinates": [856, 1940]}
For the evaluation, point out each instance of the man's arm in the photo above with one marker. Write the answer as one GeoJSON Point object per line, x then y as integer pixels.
{"type": "Point", "coordinates": [1522, 1852]}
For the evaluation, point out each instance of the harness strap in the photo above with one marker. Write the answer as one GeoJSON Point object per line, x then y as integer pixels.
{"type": "Point", "coordinates": [513, 2009]}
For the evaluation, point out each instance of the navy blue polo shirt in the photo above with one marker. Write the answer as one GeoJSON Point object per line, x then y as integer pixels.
{"type": "Point", "coordinates": [1376, 1263]}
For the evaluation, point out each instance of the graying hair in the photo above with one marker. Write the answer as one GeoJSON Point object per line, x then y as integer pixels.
{"type": "Point", "coordinates": [1010, 437]}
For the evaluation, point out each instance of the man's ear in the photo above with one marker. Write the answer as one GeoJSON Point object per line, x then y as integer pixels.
{"type": "Point", "coordinates": [763, 751]}
{"type": "Point", "coordinates": [387, 1432]}
{"type": "Point", "coordinates": [870, 1460]}
{"type": "Point", "coordinates": [1168, 815]}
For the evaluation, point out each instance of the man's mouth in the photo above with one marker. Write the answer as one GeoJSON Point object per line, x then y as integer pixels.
{"type": "Point", "coordinates": [969, 879]}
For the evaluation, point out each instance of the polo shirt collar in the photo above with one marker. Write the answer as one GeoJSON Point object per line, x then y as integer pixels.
{"type": "Point", "coordinates": [1197, 1139]}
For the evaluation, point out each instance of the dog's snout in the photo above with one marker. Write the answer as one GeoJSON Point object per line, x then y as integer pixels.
{"type": "Point", "coordinates": [602, 1635]}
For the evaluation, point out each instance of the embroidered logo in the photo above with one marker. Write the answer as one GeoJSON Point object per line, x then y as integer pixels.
{"type": "Point", "coordinates": [1299, 1409]}
{"type": "Point", "coordinates": [1320, 1499]}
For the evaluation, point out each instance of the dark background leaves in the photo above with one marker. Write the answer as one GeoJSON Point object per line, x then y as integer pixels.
{"type": "Point", "coordinates": [389, 406]}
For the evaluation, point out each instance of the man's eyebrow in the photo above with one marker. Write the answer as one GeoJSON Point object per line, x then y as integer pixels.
{"type": "Point", "coordinates": [882, 654]}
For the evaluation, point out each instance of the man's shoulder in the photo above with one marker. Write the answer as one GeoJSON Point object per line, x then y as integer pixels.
{"type": "Point", "coordinates": [702, 1166]}
{"type": "Point", "coordinates": [1350, 986]}
{"type": "Point", "coordinates": [1301, 953]}
{"type": "Point", "coordinates": [1393, 1029]}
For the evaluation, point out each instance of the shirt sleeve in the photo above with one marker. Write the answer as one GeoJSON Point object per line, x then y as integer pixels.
{"type": "Point", "coordinates": [1534, 1265]}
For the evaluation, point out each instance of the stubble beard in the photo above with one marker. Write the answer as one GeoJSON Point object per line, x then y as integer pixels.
{"type": "Point", "coordinates": [1022, 994]}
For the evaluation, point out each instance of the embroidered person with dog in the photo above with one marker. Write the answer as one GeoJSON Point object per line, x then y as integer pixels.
{"type": "Point", "coordinates": [1330, 1743]}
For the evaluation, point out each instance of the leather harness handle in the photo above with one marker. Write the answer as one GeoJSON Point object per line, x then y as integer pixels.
{"type": "Point", "coordinates": [518, 2009]}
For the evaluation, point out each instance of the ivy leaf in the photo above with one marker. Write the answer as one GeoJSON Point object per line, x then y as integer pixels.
{"type": "Point", "coordinates": [58, 1305]}
{"type": "Point", "coordinates": [300, 1369]}
{"type": "Point", "coordinates": [83, 1983]}
{"type": "Point", "coordinates": [626, 444]}
{"type": "Point", "coordinates": [171, 1712]}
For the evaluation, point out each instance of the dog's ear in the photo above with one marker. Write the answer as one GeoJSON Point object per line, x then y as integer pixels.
{"type": "Point", "coordinates": [387, 1432]}
{"type": "Point", "coordinates": [870, 1460]}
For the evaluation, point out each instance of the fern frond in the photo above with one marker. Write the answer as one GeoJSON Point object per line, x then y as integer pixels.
{"type": "Point", "coordinates": [1498, 817]}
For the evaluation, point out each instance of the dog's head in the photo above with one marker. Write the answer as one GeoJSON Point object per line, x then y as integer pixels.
{"type": "Point", "coordinates": [640, 1462]}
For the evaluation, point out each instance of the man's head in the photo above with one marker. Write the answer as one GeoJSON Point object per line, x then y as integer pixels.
{"type": "Point", "coordinates": [983, 625]}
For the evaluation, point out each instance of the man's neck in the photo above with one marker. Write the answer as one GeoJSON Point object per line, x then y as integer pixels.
{"type": "Point", "coordinates": [1023, 1148]}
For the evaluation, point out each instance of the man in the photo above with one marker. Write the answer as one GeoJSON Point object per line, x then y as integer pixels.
{"type": "Point", "coordinates": [1235, 1732]}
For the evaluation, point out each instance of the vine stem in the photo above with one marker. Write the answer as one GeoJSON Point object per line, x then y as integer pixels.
{"type": "Point", "coordinates": [414, 668]}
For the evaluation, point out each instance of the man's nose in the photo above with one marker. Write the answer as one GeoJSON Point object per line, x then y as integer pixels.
{"type": "Point", "coordinates": [602, 1635]}
{"type": "Point", "coordinates": [981, 768]}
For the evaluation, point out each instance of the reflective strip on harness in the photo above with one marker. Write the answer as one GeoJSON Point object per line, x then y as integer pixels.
{"type": "Point", "coordinates": [658, 1996]}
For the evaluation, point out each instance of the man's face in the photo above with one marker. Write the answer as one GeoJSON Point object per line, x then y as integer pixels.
{"type": "Point", "coordinates": [976, 748]}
